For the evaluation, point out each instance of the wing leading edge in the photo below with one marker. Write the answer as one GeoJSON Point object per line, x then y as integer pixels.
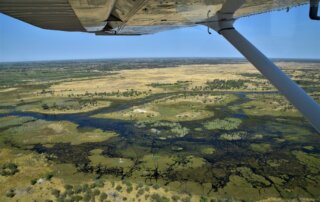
{"type": "Point", "coordinates": [127, 17]}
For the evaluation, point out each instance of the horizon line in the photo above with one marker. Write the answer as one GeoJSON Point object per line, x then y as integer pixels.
{"type": "Point", "coordinates": [144, 58]}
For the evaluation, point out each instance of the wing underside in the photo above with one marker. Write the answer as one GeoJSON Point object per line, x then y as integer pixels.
{"type": "Point", "coordinates": [127, 17]}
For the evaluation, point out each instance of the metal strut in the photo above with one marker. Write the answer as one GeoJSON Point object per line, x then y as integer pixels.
{"type": "Point", "coordinates": [313, 13]}
{"type": "Point", "coordinates": [295, 94]}
{"type": "Point", "coordinates": [223, 24]}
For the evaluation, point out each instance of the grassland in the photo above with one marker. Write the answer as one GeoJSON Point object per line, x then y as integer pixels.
{"type": "Point", "coordinates": [64, 106]}
{"type": "Point", "coordinates": [154, 130]}
{"type": "Point", "coordinates": [48, 133]}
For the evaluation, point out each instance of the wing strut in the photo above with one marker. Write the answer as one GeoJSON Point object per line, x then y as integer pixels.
{"type": "Point", "coordinates": [223, 24]}
{"type": "Point", "coordinates": [295, 94]}
{"type": "Point", "coordinates": [314, 6]}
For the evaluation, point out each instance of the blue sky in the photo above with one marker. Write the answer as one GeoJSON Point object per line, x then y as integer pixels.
{"type": "Point", "coordinates": [278, 34]}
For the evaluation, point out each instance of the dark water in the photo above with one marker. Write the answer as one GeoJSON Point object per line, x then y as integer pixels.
{"type": "Point", "coordinates": [124, 128]}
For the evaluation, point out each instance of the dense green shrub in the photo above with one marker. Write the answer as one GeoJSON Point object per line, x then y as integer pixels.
{"type": "Point", "coordinates": [55, 192]}
{"type": "Point", "coordinates": [8, 169]}
{"type": "Point", "coordinates": [45, 106]}
{"type": "Point", "coordinates": [156, 186]}
{"type": "Point", "coordinates": [158, 198]}
{"type": "Point", "coordinates": [129, 189]}
{"type": "Point", "coordinates": [68, 186]}
{"type": "Point", "coordinates": [140, 192]}
{"type": "Point", "coordinates": [203, 199]}
{"type": "Point", "coordinates": [140, 185]}
{"type": "Point", "coordinates": [85, 187]}
{"type": "Point", "coordinates": [103, 196]}
{"type": "Point", "coordinates": [93, 185]}
{"type": "Point", "coordinates": [76, 198]}
{"type": "Point", "coordinates": [34, 181]}
{"type": "Point", "coordinates": [87, 197]}
{"type": "Point", "coordinates": [77, 189]}
{"type": "Point", "coordinates": [225, 84]}
{"type": "Point", "coordinates": [99, 183]}
{"type": "Point", "coordinates": [60, 200]}
{"type": "Point", "coordinates": [128, 184]}
{"type": "Point", "coordinates": [187, 199]}
{"type": "Point", "coordinates": [175, 198]}
{"type": "Point", "coordinates": [119, 188]}
{"type": "Point", "coordinates": [96, 192]}
{"type": "Point", "coordinates": [69, 192]}
{"type": "Point", "coordinates": [11, 193]}
{"type": "Point", "coordinates": [48, 176]}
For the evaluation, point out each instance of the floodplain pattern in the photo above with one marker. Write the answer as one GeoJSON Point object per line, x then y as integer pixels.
{"type": "Point", "coordinates": [155, 130]}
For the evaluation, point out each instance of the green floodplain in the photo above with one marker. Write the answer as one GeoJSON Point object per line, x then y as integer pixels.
{"type": "Point", "coordinates": [155, 130]}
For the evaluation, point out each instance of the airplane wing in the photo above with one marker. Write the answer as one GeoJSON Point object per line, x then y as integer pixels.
{"type": "Point", "coordinates": [127, 17]}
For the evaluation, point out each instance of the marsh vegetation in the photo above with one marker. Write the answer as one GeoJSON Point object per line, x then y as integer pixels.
{"type": "Point", "coordinates": [183, 130]}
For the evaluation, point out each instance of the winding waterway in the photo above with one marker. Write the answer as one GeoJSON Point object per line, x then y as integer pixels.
{"type": "Point", "coordinates": [123, 127]}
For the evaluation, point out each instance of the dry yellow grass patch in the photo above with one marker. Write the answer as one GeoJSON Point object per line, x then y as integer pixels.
{"type": "Point", "coordinates": [140, 79]}
{"type": "Point", "coordinates": [200, 99]}
{"type": "Point", "coordinates": [7, 90]}
{"type": "Point", "coordinates": [274, 199]}
{"type": "Point", "coordinates": [30, 166]}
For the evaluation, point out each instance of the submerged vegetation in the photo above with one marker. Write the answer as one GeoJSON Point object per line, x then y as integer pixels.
{"type": "Point", "coordinates": [183, 130]}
